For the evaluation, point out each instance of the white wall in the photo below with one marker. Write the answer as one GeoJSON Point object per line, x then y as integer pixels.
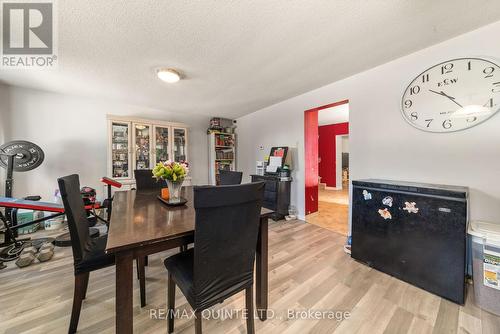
{"type": "Point", "coordinates": [382, 144]}
{"type": "Point", "coordinates": [4, 129]}
{"type": "Point", "coordinates": [72, 131]}
{"type": "Point", "coordinates": [4, 98]}
{"type": "Point", "coordinates": [334, 115]}
{"type": "Point", "coordinates": [345, 144]}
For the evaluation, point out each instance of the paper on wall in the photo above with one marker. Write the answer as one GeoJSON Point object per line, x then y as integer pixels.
{"type": "Point", "coordinates": [274, 163]}
{"type": "Point", "coordinates": [271, 169]}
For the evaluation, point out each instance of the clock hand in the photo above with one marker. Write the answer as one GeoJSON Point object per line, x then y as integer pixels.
{"type": "Point", "coordinates": [448, 96]}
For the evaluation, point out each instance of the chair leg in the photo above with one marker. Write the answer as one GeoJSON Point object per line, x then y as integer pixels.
{"type": "Point", "coordinates": [171, 303]}
{"type": "Point", "coordinates": [78, 296]}
{"type": "Point", "coordinates": [137, 267]}
{"type": "Point", "coordinates": [197, 322]}
{"type": "Point", "coordinates": [142, 279]}
{"type": "Point", "coordinates": [85, 285]}
{"type": "Point", "coordinates": [146, 262]}
{"type": "Point", "coordinates": [250, 310]}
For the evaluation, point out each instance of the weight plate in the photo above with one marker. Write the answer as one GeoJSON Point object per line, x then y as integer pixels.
{"type": "Point", "coordinates": [11, 253]}
{"type": "Point", "coordinates": [28, 155]}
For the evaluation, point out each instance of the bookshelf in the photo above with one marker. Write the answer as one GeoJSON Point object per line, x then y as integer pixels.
{"type": "Point", "coordinates": [221, 154]}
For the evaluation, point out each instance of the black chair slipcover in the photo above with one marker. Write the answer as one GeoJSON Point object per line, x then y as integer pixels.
{"type": "Point", "coordinates": [144, 180]}
{"type": "Point", "coordinates": [222, 260]}
{"type": "Point", "coordinates": [228, 177]}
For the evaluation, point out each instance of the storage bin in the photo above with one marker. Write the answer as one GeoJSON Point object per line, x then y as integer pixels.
{"type": "Point", "coordinates": [485, 246]}
{"type": "Point", "coordinates": [25, 216]}
{"type": "Point", "coordinates": [54, 223]}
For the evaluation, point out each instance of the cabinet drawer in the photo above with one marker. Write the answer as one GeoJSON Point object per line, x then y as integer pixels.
{"type": "Point", "coordinates": [271, 186]}
{"type": "Point", "coordinates": [269, 205]}
{"type": "Point", "coordinates": [270, 196]}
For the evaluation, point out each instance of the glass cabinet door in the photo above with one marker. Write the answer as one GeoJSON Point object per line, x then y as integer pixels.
{"type": "Point", "coordinates": [179, 145]}
{"type": "Point", "coordinates": [142, 136]}
{"type": "Point", "coordinates": [120, 149]}
{"type": "Point", "coordinates": [161, 144]}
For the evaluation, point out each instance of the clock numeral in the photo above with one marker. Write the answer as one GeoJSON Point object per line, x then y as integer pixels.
{"type": "Point", "coordinates": [429, 121]}
{"type": "Point", "coordinates": [496, 87]}
{"type": "Point", "coordinates": [425, 78]}
{"type": "Point", "coordinates": [489, 71]}
{"type": "Point", "coordinates": [448, 68]}
{"type": "Point", "coordinates": [447, 124]}
{"type": "Point", "coordinates": [469, 65]}
{"type": "Point", "coordinates": [415, 90]}
{"type": "Point", "coordinates": [408, 104]}
{"type": "Point", "coordinates": [414, 116]}
{"type": "Point", "coordinates": [471, 119]}
{"type": "Point", "coordinates": [490, 103]}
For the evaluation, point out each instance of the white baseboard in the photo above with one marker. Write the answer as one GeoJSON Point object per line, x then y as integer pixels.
{"type": "Point", "coordinates": [333, 188]}
{"type": "Point", "coordinates": [329, 188]}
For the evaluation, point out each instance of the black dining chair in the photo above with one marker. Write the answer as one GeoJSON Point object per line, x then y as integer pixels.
{"type": "Point", "coordinates": [144, 180]}
{"type": "Point", "coordinates": [88, 253]}
{"type": "Point", "coordinates": [221, 263]}
{"type": "Point", "coordinates": [228, 177]}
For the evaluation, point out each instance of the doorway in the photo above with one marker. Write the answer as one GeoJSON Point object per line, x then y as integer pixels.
{"type": "Point", "coordinates": [327, 166]}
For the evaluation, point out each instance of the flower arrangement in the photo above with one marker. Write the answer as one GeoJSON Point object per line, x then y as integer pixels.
{"type": "Point", "coordinates": [171, 171]}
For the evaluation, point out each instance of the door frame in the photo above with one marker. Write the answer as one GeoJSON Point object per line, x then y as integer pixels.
{"type": "Point", "coordinates": [338, 161]}
{"type": "Point", "coordinates": [311, 177]}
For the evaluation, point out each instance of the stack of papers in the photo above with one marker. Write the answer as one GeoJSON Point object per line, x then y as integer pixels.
{"type": "Point", "coordinates": [274, 164]}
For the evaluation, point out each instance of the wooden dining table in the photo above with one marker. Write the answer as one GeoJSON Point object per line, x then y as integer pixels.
{"type": "Point", "coordinates": [142, 225]}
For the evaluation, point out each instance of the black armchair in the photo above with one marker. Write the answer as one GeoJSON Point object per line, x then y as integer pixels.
{"type": "Point", "coordinates": [221, 263]}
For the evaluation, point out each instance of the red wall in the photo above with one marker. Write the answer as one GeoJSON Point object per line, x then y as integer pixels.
{"type": "Point", "coordinates": [327, 151]}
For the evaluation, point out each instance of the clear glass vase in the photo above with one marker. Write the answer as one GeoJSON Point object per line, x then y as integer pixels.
{"type": "Point", "coordinates": [174, 190]}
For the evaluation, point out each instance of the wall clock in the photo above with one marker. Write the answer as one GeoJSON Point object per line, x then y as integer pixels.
{"type": "Point", "coordinates": [453, 95]}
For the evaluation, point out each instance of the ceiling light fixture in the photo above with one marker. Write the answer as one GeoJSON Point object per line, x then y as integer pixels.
{"type": "Point", "coordinates": [168, 75]}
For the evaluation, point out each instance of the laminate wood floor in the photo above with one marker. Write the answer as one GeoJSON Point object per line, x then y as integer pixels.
{"type": "Point", "coordinates": [331, 216]}
{"type": "Point", "coordinates": [334, 196]}
{"type": "Point", "coordinates": [307, 270]}
{"type": "Point", "coordinates": [333, 210]}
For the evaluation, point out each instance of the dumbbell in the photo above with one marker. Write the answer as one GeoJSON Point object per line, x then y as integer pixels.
{"type": "Point", "coordinates": [45, 254]}
{"type": "Point", "coordinates": [29, 249]}
{"type": "Point", "coordinates": [25, 259]}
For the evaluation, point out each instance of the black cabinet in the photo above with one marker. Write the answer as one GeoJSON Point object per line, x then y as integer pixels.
{"type": "Point", "coordinates": [276, 194]}
{"type": "Point", "coordinates": [415, 232]}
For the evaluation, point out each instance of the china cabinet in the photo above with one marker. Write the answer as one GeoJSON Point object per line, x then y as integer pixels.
{"type": "Point", "coordinates": [135, 144]}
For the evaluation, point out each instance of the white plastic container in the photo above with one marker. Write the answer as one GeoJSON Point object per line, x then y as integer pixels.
{"type": "Point", "coordinates": [485, 247]}
{"type": "Point", "coordinates": [54, 223]}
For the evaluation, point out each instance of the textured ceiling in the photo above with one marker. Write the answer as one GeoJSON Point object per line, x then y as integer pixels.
{"type": "Point", "coordinates": [334, 115]}
{"type": "Point", "coordinates": [237, 56]}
